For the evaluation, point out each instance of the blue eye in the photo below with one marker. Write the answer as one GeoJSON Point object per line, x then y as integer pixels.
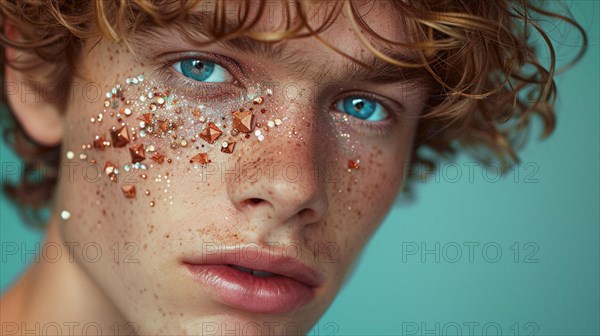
{"type": "Point", "coordinates": [362, 108]}
{"type": "Point", "coordinates": [203, 71]}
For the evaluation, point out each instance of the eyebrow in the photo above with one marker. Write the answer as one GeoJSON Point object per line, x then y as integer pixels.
{"type": "Point", "coordinates": [379, 71]}
{"type": "Point", "coordinates": [372, 70]}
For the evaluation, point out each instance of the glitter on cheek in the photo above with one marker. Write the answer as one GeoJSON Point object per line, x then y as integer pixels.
{"type": "Point", "coordinates": [201, 158]}
{"type": "Point", "coordinates": [158, 123]}
{"type": "Point", "coordinates": [158, 158]}
{"type": "Point", "coordinates": [346, 141]}
{"type": "Point", "coordinates": [137, 153]}
{"type": "Point", "coordinates": [100, 142]}
{"type": "Point", "coordinates": [227, 147]}
{"type": "Point", "coordinates": [211, 133]}
{"type": "Point", "coordinates": [146, 118]}
{"type": "Point", "coordinates": [259, 135]}
{"type": "Point", "coordinates": [243, 121]}
{"type": "Point", "coordinates": [65, 215]}
{"type": "Point", "coordinates": [353, 164]}
{"type": "Point", "coordinates": [120, 136]}
{"type": "Point", "coordinates": [128, 191]}
{"type": "Point", "coordinates": [111, 171]}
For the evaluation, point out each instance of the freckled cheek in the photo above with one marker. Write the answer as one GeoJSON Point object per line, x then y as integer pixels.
{"type": "Point", "coordinates": [144, 150]}
{"type": "Point", "coordinates": [370, 191]}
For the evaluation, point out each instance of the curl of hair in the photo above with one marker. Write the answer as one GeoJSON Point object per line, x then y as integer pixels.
{"type": "Point", "coordinates": [489, 81]}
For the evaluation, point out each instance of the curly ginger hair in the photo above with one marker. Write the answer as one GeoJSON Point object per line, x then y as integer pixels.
{"type": "Point", "coordinates": [489, 80]}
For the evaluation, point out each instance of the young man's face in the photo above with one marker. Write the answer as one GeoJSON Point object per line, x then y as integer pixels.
{"type": "Point", "coordinates": [299, 199]}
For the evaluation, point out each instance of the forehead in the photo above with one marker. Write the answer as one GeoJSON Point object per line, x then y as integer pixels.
{"type": "Point", "coordinates": [312, 39]}
{"type": "Point", "coordinates": [287, 25]}
{"type": "Point", "coordinates": [381, 16]}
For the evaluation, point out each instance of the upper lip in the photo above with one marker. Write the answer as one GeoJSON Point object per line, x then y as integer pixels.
{"type": "Point", "coordinates": [260, 259]}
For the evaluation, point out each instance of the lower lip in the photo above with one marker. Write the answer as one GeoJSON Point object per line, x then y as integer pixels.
{"type": "Point", "coordinates": [241, 290]}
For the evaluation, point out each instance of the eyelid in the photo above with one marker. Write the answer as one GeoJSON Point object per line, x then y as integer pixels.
{"type": "Point", "coordinates": [393, 107]}
{"type": "Point", "coordinates": [381, 128]}
{"type": "Point", "coordinates": [236, 70]}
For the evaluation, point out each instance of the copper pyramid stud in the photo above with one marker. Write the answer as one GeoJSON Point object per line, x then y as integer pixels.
{"type": "Point", "coordinates": [111, 171]}
{"type": "Point", "coordinates": [146, 117]}
{"type": "Point", "coordinates": [201, 158]}
{"type": "Point", "coordinates": [158, 158]}
{"type": "Point", "coordinates": [243, 121]}
{"type": "Point", "coordinates": [210, 133]}
{"type": "Point", "coordinates": [120, 136]}
{"type": "Point", "coordinates": [128, 191]}
{"type": "Point", "coordinates": [99, 142]}
{"type": "Point", "coordinates": [137, 153]}
{"type": "Point", "coordinates": [228, 147]}
{"type": "Point", "coordinates": [163, 125]}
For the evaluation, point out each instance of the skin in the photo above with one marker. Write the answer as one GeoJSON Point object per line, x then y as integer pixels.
{"type": "Point", "coordinates": [327, 219]}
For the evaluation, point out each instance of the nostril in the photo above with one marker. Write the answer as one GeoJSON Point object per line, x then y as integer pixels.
{"type": "Point", "coordinates": [254, 201]}
{"type": "Point", "coordinates": [251, 203]}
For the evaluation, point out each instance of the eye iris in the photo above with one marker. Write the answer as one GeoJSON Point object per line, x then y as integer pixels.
{"type": "Point", "coordinates": [196, 69]}
{"type": "Point", "coordinates": [359, 107]}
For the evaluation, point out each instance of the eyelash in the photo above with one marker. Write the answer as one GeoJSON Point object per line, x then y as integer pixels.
{"type": "Point", "coordinates": [174, 79]}
{"type": "Point", "coordinates": [379, 128]}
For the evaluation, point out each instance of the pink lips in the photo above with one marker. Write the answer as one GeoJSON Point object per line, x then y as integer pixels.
{"type": "Point", "coordinates": [287, 285]}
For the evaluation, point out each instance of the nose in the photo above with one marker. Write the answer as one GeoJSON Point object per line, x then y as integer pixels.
{"type": "Point", "coordinates": [280, 180]}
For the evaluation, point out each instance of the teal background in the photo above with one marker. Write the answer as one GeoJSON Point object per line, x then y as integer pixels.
{"type": "Point", "coordinates": [549, 205]}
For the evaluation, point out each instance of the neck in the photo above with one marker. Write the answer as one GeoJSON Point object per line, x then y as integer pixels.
{"type": "Point", "coordinates": [56, 294]}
